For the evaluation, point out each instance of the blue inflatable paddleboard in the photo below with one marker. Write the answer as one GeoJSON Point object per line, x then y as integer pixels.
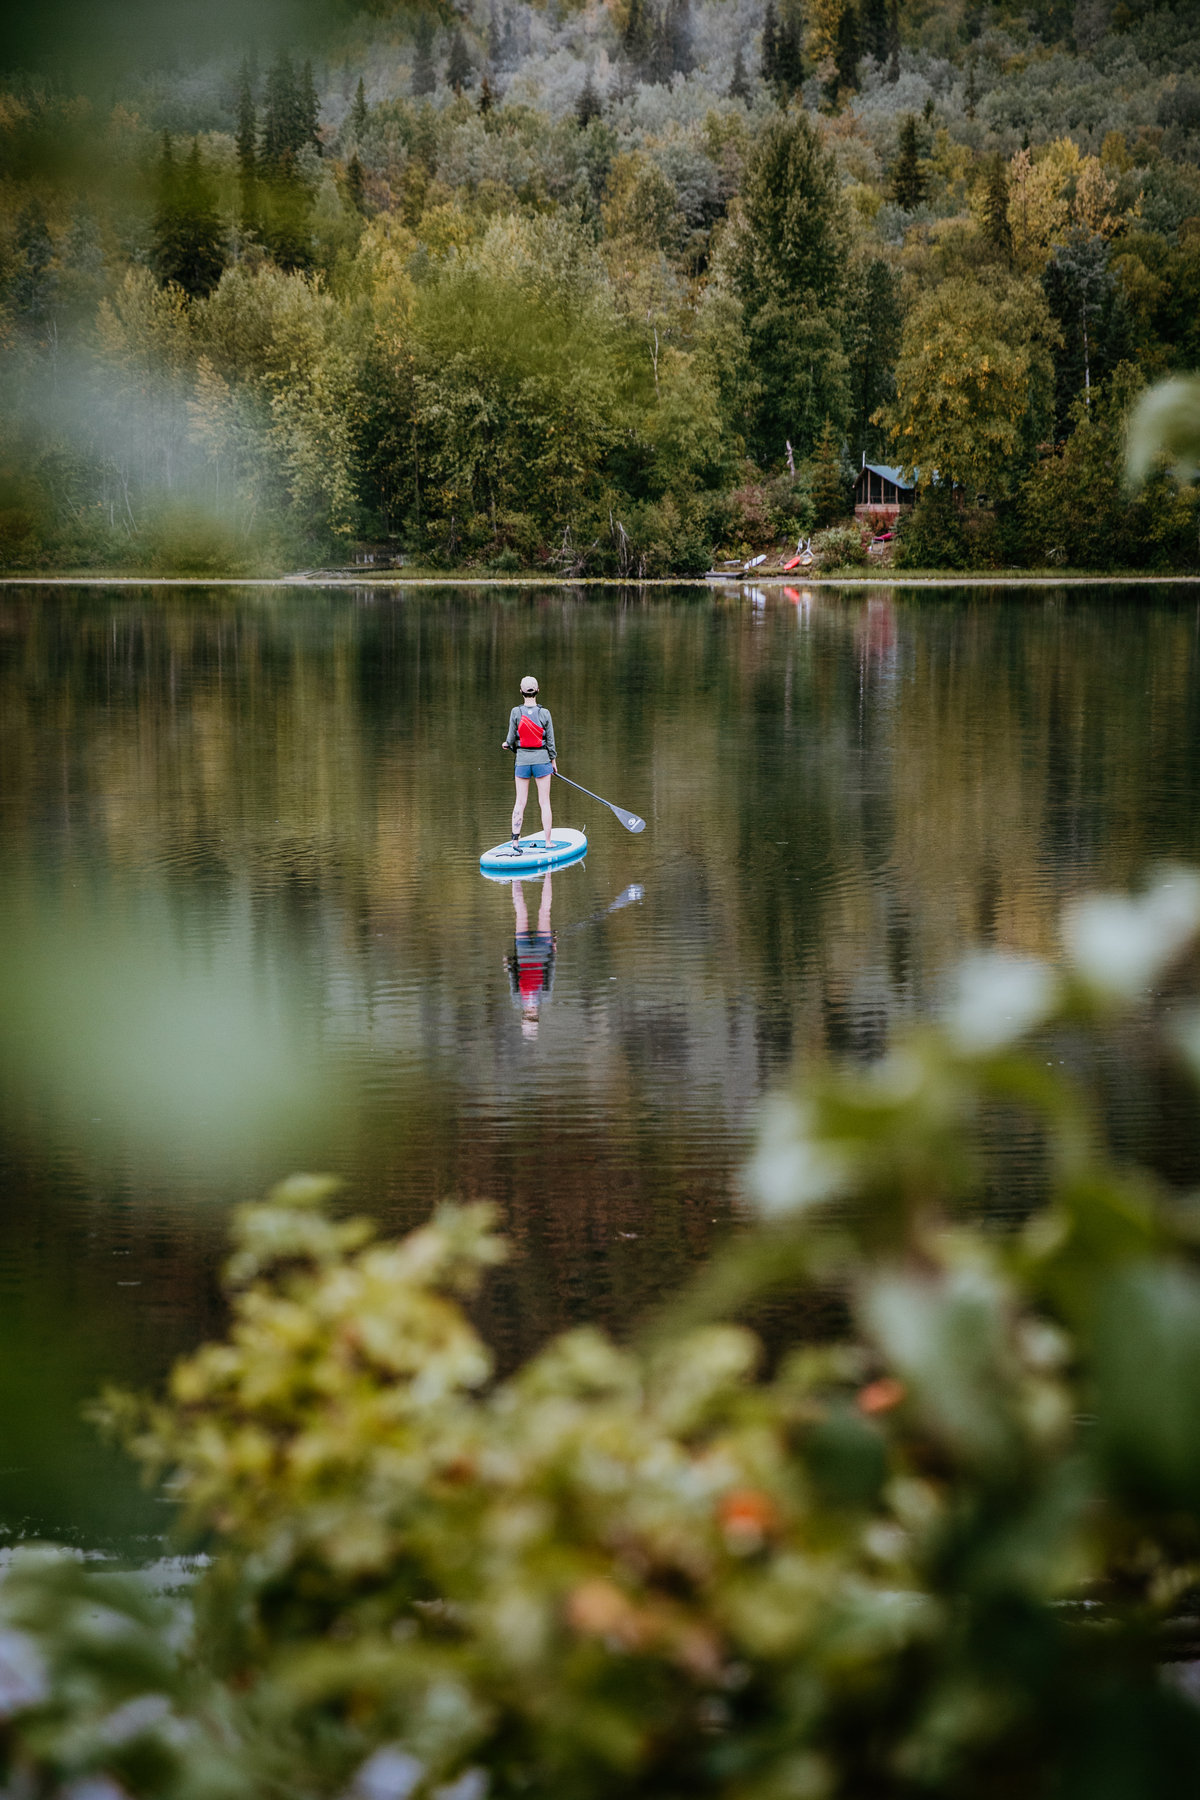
{"type": "Point", "coordinates": [566, 847]}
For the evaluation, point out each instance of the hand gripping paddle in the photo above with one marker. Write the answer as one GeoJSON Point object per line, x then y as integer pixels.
{"type": "Point", "coordinates": [629, 820]}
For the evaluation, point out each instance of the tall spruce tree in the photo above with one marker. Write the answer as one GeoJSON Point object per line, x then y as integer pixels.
{"type": "Point", "coordinates": [638, 35]}
{"type": "Point", "coordinates": [358, 110]}
{"type": "Point", "coordinates": [679, 31]}
{"type": "Point", "coordinates": [308, 112]}
{"type": "Point", "coordinates": [829, 485]}
{"type": "Point", "coordinates": [789, 53]}
{"type": "Point", "coordinates": [188, 242]}
{"type": "Point", "coordinates": [495, 43]}
{"type": "Point", "coordinates": [874, 27]}
{"type": "Point", "coordinates": [460, 70]}
{"type": "Point", "coordinates": [284, 118]}
{"type": "Point", "coordinates": [246, 142]}
{"type": "Point", "coordinates": [487, 98]}
{"type": "Point", "coordinates": [356, 183]}
{"type": "Point", "coordinates": [31, 287]}
{"type": "Point", "coordinates": [847, 51]}
{"type": "Point", "coordinates": [658, 63]}
{"type": "Point", "coordinates": [996, 227]}
{"type": "Point", "coordinates": [424, 75]}
{"type": "Point", "coordinates": [786, 260]}
{"type": "Point", "coordinates": [908, 184]}
{"type": "Point", "coordinates": [588, 106]}
{"type": "Point", "coordinates": [739, 87]}
{"type": "Point", "coordinates": [770, 45]}
{"type": "Point", "coordinates": [893, 70]}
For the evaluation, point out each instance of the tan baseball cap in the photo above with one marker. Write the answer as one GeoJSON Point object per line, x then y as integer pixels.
{"type": "Point", "coordinates": [529, 684]}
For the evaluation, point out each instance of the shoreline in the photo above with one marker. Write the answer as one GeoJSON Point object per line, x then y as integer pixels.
{"type": "Point", "coordinates": [585, 581]}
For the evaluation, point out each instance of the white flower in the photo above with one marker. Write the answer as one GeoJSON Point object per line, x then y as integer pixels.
{"type": "Point", "coordinates": [790, 1169]}
{"type": "Point", "coordinates": [998, 998]}
{"type": "Point", "coordinates": [133, 1718]}
{"type": "Point", "coordinates": [390, 1774]}
{"type": "Point", "coordinates": [23, 1679]}
{"type": "Point", "coordinates": [1119, 946]}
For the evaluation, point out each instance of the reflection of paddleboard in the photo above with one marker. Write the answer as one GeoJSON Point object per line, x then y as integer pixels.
{"type": "Point", "coordinates": [567, 847]}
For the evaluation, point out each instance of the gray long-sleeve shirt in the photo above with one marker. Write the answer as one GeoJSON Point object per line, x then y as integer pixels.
{"type": "Point", "coordinates": [528, 759]}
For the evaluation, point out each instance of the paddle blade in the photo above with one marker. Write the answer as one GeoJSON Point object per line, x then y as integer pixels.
{"type": "Point", "coordinates": [629, 820]}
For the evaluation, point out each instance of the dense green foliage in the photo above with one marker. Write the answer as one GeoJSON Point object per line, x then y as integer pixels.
{"type": "Point", "coordinates": [944, 1545]}
{"type": "Point", "coordinates": [573, 284]}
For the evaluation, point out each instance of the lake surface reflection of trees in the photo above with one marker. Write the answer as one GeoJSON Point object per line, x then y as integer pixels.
{"type": "Point", "coordinates": [245, 931]}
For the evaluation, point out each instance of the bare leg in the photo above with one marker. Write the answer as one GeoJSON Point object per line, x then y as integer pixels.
{"type": "Point", "coordinates": [519, 808]}
{"type": "Point", "coordinates": [543, 787]}
{"type": "Point", "coordinates": [544, 908]}
{"type": "Point", "coordinates": [519, 907]}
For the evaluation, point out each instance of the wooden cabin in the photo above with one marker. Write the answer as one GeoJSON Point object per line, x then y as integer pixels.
{"type": "Point", "coordinates": [881, 493]}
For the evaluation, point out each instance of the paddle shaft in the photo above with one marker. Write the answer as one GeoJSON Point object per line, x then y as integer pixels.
{"type": "Point", "coordinates": [629, 820]}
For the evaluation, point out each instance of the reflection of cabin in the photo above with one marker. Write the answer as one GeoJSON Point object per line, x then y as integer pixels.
{"type": "Point", "coordinates": [881, 492]}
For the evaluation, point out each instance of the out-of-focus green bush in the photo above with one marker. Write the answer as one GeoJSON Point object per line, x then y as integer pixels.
{"type": "Point", "coordinates": [947, 1551]}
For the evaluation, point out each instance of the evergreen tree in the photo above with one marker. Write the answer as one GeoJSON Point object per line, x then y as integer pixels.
{"type": "Point", "coordinates": [495, 46]}
{"type": "Point", "coordinates": [996, 227]}
{"type": "Point", "coordinates": [789, 55]}
{"type": "Point", "coordinates": [588, 106]}
{"type": "Point", "coordinates": [893, 73]}
{"type": "Point", "coordinates": [288, 117]}
{"type": "Point", "coordinates": [875, 29]}
{"type": "Point", "coordinates": [1090, 309]}
{"type": "Point", "coordinates": [847, 51]}
{"type": "Point", "coordinates": [872, 318]}
{"type": "Point", "coordinates": [188, 242]}
{"type": "Point", "coordinates": [246, 142]}
{"type": "Point", "coordinates": [786, 261]}
{"type": "Point", "coordinates": [246, 139]}
{"type": "Point", "coordinates": [770, 44]}
{"type": "Point", "coordinates": [487, 98]}
{"type": "Point", "coordinates": [679, 32]}
{"type": "Point", "coordinates": [908, 178]}
{"type": "Point", "coordinates": [658, 63]}
{"type": "Point", "coordinates": [460, 71]}
{"type": "Point", "coordinates": [637, 37]}
{"type": "Point", "coordinates": [308, 112]}
{"type": "Point", "coordinates": [32, 287]}
{"type": "Point", "coordinates": [972, 95]}
{"type": "Point", "coordinates": [355, 183]}
{"type": "Point", "coordinates": [424, 75]}
{"type": "Point", "coordinates": [358, 111]}
{"type": "Point", "coordinates": [739, 87]}
{"type": "Point", "coordinates": [510, 50]}
{"type": "Point", "coordinates": [829, 484]}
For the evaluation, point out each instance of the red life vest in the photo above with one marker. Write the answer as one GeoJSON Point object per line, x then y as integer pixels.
{"type": "Point", "coordinates": [531, 733]}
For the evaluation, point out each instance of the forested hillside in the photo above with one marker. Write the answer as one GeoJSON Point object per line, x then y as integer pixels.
{"type": "Point", "coordinates": [606, 289]}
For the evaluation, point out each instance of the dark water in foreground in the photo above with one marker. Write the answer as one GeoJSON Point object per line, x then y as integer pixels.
{"type": "Point", "coordinates": [243, 931]}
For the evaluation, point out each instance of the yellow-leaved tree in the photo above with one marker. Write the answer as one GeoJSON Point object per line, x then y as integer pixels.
{"type": "Point", "coordinates": [974, 385]}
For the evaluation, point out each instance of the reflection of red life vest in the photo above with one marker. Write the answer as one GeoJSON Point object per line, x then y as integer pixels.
{"type": "Point", "coordinates": [531, 733]}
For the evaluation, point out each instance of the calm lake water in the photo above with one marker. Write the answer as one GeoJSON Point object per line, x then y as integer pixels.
{"type": "Point", "coordinates": [243, 929]}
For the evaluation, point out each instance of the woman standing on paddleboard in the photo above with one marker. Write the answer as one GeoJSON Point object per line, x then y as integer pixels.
{"type": "Point", "coordinates": [531, 735]}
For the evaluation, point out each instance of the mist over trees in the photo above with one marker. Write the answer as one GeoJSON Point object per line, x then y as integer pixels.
{"type": "Point", "coordinates": [603, 289]}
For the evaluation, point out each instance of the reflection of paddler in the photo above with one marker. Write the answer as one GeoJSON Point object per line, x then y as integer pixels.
{"type": "Point", "coordinates": [531, 965]}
